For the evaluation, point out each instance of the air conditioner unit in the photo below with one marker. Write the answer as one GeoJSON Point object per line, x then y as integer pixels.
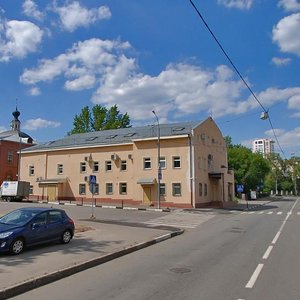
{"type": "Point", "coordinates": [129, 156]}
{"type": "Point", "coordinates": [114, 156]}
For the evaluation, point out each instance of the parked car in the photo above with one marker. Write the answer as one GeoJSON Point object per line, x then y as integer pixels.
{"type": "Point", "coordinates": [34, 225]}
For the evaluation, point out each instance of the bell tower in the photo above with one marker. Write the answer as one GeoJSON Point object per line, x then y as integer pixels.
{"type": "Point", "coordinates": [15, 123]}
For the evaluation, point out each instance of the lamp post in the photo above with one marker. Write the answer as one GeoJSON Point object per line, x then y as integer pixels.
{"type": "Point", "coordinates": [158, 160]}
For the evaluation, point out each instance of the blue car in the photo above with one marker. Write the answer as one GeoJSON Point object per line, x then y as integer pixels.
{"type": "Point", "coordinates": [32, 226]}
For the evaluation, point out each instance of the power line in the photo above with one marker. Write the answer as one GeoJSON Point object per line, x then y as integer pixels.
{"type": "Point", "coordinates": [237, 71]}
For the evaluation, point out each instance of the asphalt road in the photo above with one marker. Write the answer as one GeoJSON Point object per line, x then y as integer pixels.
{"type": "Point", "coordinates": [227, 255]}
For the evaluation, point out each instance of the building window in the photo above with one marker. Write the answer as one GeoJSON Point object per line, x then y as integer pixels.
{"type": "Point", "coordinates": [108, 166]}
{"type": "Point", "coordinates": [123, 165]}
{"type": "Point", "coordinates": [123, 188]}
{"type": "Point", "coordinates": [60, 169]}
{"type": "Point", "coordinates": [109, 188]}
{"type": "Point", "coordinates": [162, 190]}
{"type": "Point", "coordinates": [200, 189]}
{"type": "Point", "coordinates": [176, 188]}
{"type": "Point", "coordinates": [147, 163]}
{"type": "Point", "coordinates": [82, 189]}
{"type": "Point", "coordinates": [205, 189]}
{"type": "Point", "coordinates": [31, 170]}
{"type": "Point", "coordinates": [176, 162]}
{"type": "Point", "coordinates": [82, 167]}
{"type": "Point", "coordinates": [96, 166]}
{"type": "Point", "coordinates": [31, 190]}
{"type": "Point", "coordinates": [162, 162]}
{"type": "Point", "coordinates": [96, 189]}
{"type": "Point", "coordinates": [210, 161]}
{"type": "Point", "coordinates": [10, 156]}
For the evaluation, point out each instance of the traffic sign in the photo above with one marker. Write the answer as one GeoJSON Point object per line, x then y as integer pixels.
{"type": "Point", "coordinates": [93, 179]}
{"type": "Point", "coordinates": [239, 188]}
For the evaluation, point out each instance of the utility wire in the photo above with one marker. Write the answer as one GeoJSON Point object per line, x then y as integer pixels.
{"type": "Point", "coordinates": [237, 71]}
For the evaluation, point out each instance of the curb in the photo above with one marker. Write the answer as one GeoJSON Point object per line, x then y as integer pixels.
{"type": "Point", "coordinates": [102, 206]}
{"type": "Point", "coordinates": [36, 282]}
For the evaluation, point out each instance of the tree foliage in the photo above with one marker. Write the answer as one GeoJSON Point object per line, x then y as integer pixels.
{"type": "Point", "coordinates": [99, 118]}
{"type": "Point", "coordinates": [250, 169]}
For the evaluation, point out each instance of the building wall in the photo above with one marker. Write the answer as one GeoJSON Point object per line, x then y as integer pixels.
{"type": "Point", "coordinates": [210, 156]}
{"type": "Point", "coordinates": [142, 184]}
{"type": "Point", "coordinates": [8, 166]}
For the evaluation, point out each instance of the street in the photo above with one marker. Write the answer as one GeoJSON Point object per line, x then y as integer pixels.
{"type": "Point", "coordinates": [228, 255]}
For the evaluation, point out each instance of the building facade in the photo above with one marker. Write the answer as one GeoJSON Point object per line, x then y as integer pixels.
{"type": "Point", "coordinates": [263, 146]}
{"type": "Point", "coordinates": [11, 144]}
{"type": "Point", "coordinates": [193, 164]}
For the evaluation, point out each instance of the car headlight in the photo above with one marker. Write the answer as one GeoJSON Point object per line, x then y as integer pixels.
{"type": "Point", "coordinates": [5, 234]}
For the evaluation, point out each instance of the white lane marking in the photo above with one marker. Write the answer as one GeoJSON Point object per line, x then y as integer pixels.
{"type": "Point", "coordinates": [298, 213]}
{"type": "Point", "coordinates": [254, 276]}
{"type": "Point", "coordinates": [279, 213]}
{"type": "Point", "coordinates": [268, 251]}
{"type": "Point", "coordinates": [270, 213]}
{"type": "Point", "coordinates": [276, 238]}
{"type": "Point", "coordinates": [261, 212]}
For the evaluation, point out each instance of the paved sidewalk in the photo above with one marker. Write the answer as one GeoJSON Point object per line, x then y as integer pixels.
{"type": "Point", "coordinates": [100, 243]}
{"type": "Point", "coordinates": [250, 204]}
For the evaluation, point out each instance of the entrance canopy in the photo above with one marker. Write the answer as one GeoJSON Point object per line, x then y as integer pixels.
{"type": "Point", "coordinates": [52, 181]}
{"type": "Point", "coordinates": [147, 181]}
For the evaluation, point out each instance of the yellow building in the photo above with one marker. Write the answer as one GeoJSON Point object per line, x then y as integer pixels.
{"type": "Point", "coordinates": [193, 166]}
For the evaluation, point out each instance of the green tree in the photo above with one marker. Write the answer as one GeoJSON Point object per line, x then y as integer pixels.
{"type": "Point", "coordinates": [249, 168]}
{"type": "Point", "coordinates": [99, 118]}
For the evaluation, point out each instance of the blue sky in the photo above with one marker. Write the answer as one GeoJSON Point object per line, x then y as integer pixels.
{"type": "Point", "coordinates": [58, 56]}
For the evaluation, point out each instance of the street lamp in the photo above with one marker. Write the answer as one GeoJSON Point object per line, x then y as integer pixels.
{"type": "Point", "coordinates": [158, 160]}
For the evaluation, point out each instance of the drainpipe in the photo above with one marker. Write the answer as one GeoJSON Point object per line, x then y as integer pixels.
{"type": "Point", "coordinates": [192, 171]}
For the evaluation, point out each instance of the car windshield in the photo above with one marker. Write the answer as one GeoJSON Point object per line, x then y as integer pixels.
{"type": "Point", "coordinates": [18, 217]}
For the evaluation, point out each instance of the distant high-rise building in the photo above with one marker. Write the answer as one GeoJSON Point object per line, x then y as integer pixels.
{"type": "Point", "coordinates": [263, 146]}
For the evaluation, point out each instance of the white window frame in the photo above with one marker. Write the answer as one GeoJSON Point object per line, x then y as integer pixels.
{"type": "Point", "coordinates": [123, 166]}
{"type": "Point", "coordinates": [96, 163]}
{"type": "Point", "coordinates": [164, 160]}
{"type": "Point", "coordinates": [176, 159]}
{"type": "Point", "coordinates": [147, 160]}
{"type": "Point", "coordinates": [83, 167]}
{"type": "Point", "coordinates": [123, 186]}
{"type": "Point", "coordinates": [174, 188]}
{"type": "Point", "coordinates": [60, 169]}
{"type": "Point", "coordinates": [109, 188]}
{"type": "Point", "coordinates": [31, 170]}
{"type": "Point", "coordinates": [82, 189]}
{"type": "Point", "coordinates": [108, 166]}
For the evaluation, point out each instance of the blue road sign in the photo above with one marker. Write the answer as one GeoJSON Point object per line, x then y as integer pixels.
{"type": "Point", "coordinates": [93, 179]}
{"type": "Point", "coordinates": [239, 188]}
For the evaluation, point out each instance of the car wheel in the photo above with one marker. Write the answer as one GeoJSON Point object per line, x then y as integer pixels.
{"type": "Point", "coordinates": [17, 246]}
{"type": "Point", "coordinates": [66, 237]}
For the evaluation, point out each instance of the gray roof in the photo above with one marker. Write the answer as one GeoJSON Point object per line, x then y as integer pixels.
{"type": "Point", "coordinates": [115, 136]}
{"type": "Point", "coordinates": [14, 135]}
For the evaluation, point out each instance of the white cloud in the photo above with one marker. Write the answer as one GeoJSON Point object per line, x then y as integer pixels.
{"type": "Point", "coordinates": [18, 39]}
{"type": "Point", "coordinates": [81, 83]}
{"type": "Point", "coordinates": [80, 64]}
{"type": "Point", "coordinates": [279, 61]}
{"type": "Point", "coordinates": [34, 91]}
{"type": "Point", "coordinates": [240, 4]}
{"type": "Point", "coordinates": [30, 9]}
{"type": "Point", "coordinates": [289, 5]}
{"type": "Point", "coordinates": [34, 124]}
{"type": "Point", "coordinates": [2, 128]}
{"type": "Point", "coordinates": [73, 15]}
{"type": "Point", "coordinates": [287, 34]}
{"type": "Point", "coordinates": [287, 139]}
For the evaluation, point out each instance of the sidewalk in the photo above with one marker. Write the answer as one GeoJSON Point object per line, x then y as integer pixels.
{"type": "Point", "coordinates": [97, 243]}
{"type": "Point", "coordinates": [250, 204]}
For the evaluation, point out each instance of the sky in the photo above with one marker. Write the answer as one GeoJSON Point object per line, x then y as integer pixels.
{"type": "Point", "coordinates": [57, 57]}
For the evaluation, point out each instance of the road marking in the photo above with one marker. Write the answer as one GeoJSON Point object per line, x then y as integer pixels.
{"type": "Point", "coordinates": [279, 213]}
{"type": "Point", "coordinates": [276, 238]}
{"type": "Point", "coordinates": [267, 253]}
{"type": "Point", "coordinates": [270, 213]}
{"type": "Point", "coordinates": [254, 276]}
